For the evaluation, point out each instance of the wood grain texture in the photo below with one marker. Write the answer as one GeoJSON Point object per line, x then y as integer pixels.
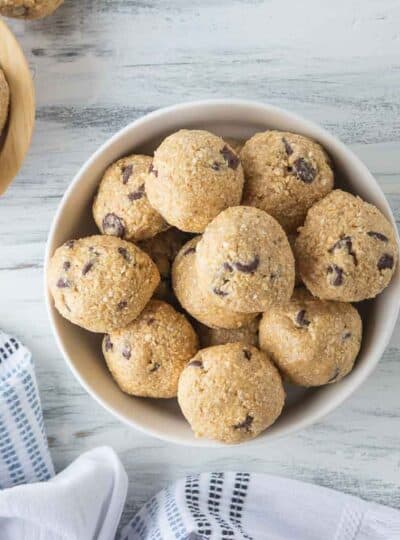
{"type": "Point", "coordinates": [98, 64]}
{"type": "Point", "coordinates": [16, 138]}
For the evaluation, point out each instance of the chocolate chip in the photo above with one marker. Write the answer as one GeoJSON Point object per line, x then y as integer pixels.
{"type": "Point", "coordinates": [346, 335]}
{"type": "Point", "coordinates": [304, 171]}
{"type": "Point", "coordinates": [230, 157]}
{"type": "Point", "coordinates": [66, 265]}
{"type": "Point", "coordinates": [155, 367]}
{"type": "Point", "coordinates": [122, 305]}
{"type": "Point", "coordinates": [385, 262]}
{"type": "Point", "coordinates": [190, 250]}
{"type": "Point", "coordinates": [301, 319]}
{"type": "Point", "coordinates": [113, 225]}
{"type": "Point", "coordinates": [70, 244]}
{"type": "Point", "coordinates": [107, 343]}
{"type": "Point", "coordinates": [228, 267]}
{"type": "Point", "coordinates": [196, 363]}
{"type": "Point", "coordinates": [378, 236]}
{"type": "Point", "coordinates": [92, 249]}
{"type": "Point", "coordinates": [288, 148]}
{"type": "Point", "coordinates": [219, 292]}
{"type": "Point", "coordinates": [88, 266]}
{"type": "Point", "coordinates": [337, 275]}
{"type": "Point", "coordinates": [126, 173]}
{"type": "Point", "coordinates": [153, 170]}
{"type": "Point", "coordinates": [248, 268]}
{"type": "Point", "coordinates": [335, 375]}
{"type": "Point", "coordinates": [247, 354]}
{"type": "Point", "coordinates": [216, 166]}
{"type": "Point", "coordinates": [246, 424]}
{"type": "Point", "coordinates": [63, 283]}
{"type": "Point", "coordinates": [125, 254]}
{"type": "Point", "coordinates": [138, 194]}
{"type": "Point", "coordinates": [346, 243]}
{"type": "Point", "coordinates": [127, 351]}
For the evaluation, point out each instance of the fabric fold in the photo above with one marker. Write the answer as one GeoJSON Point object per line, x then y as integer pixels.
{"type": "Point", "coordinates": [85, 501]}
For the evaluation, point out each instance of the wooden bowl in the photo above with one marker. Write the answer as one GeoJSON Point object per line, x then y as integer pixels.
{"type": "Point", "coordinates": [17, 135]}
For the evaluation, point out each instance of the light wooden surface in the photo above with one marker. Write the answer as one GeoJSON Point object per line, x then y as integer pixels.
{"type": "Point", "coordinates": [17, 135]}
{"type": "Point", "coordinates": [99, 64]}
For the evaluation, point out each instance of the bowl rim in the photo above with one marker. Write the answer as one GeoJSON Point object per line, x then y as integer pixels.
{"type": "Point", "coordinates": [343, 393]}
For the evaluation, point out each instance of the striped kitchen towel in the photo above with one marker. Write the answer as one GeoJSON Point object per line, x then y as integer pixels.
{"type": "Point", "coordinates": [248, 506]}
{"type": "Point", "coordinates": [24, 454]}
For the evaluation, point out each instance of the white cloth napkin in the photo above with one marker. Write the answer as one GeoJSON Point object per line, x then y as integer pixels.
{"type": "Point", "coordinates": [84, 502]}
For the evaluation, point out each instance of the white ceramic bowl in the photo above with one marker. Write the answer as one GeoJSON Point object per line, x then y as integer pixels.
{"type": "Point", "coordinates": [233, 118]}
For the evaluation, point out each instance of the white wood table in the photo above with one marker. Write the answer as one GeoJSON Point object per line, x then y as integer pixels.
{"type": "Point", "coordinates": [99, 64]}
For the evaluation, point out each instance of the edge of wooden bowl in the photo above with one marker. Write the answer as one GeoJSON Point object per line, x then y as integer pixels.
{"type": "Point", "coordinates": [21, 117]}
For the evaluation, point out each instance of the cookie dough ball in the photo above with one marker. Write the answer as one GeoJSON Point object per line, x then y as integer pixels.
{"type": "Point", "coordinates": [244, 260]}
{"type": "Point", "coordinates": [235, 144]}
{"type": "Point", "coordinates": [230, 393]}
{"type": "Point", "coordinates": [163, 249]}
{"type": "Point", "coordinates": [194, 176]}
{"type": "Point", "coordinates": [199, 303]}
{"type": "Point", "coordinates": [28, 9]}
{"type": "Point", "coordinates": [347, 249]}
{"type": "Point", "coordinates": [220, 336]}
{"type": "Point", "coordinates": [121, 207]}
{"type": "Point", "coordinates": [4, 100]}
{"type": "Point", "coordinates": [312, 342]}
{"type": "Point", "coordinates": [285, 175]}
{"type": "Point", "coordinates": [146, 357]}
{"type": "Point", "coordinates": [101, 283]}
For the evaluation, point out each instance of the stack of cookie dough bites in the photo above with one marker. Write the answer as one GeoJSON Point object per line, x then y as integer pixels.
{"type": "Point", "coordinates": [193, 278]}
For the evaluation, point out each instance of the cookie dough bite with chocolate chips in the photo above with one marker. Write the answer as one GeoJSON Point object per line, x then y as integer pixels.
{"type": "Point", "coordinates": [163, 249]}
{"type": "Point", "coordinates": [195, 175]}
{"type": "Point", "coordinates": [230, 393]}
{"type": "Point", "coordinates": [312, 342]}
{"type": "Point", "coordinates": [285, 175]}
{"type": "Point", "coordinates": [147, 356]}
{"type": "Point", "coordinates": [220, 336]}
{"type": "Point", "coordinates": [198, 302]}
{"type": "Point", "coordinates": [28, 9]}
{"type": "Point", "coordinates": [347, 249]}
{"type": "Point", "coordinates": [100, 282]}
{"type": "Point", "coordinates": [244, 260]}
{"type": "Point", "coordinates": [121, 207]}
{"type": "Point", "coordinates": [4, 100]}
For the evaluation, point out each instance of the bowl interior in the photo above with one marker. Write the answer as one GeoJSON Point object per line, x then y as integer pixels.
{"type": "Point", "coordinates": [74, 219]}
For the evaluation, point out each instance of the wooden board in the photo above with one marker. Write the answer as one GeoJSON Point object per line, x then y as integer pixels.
{"type": "Point", "coordinates": [18, 133]}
